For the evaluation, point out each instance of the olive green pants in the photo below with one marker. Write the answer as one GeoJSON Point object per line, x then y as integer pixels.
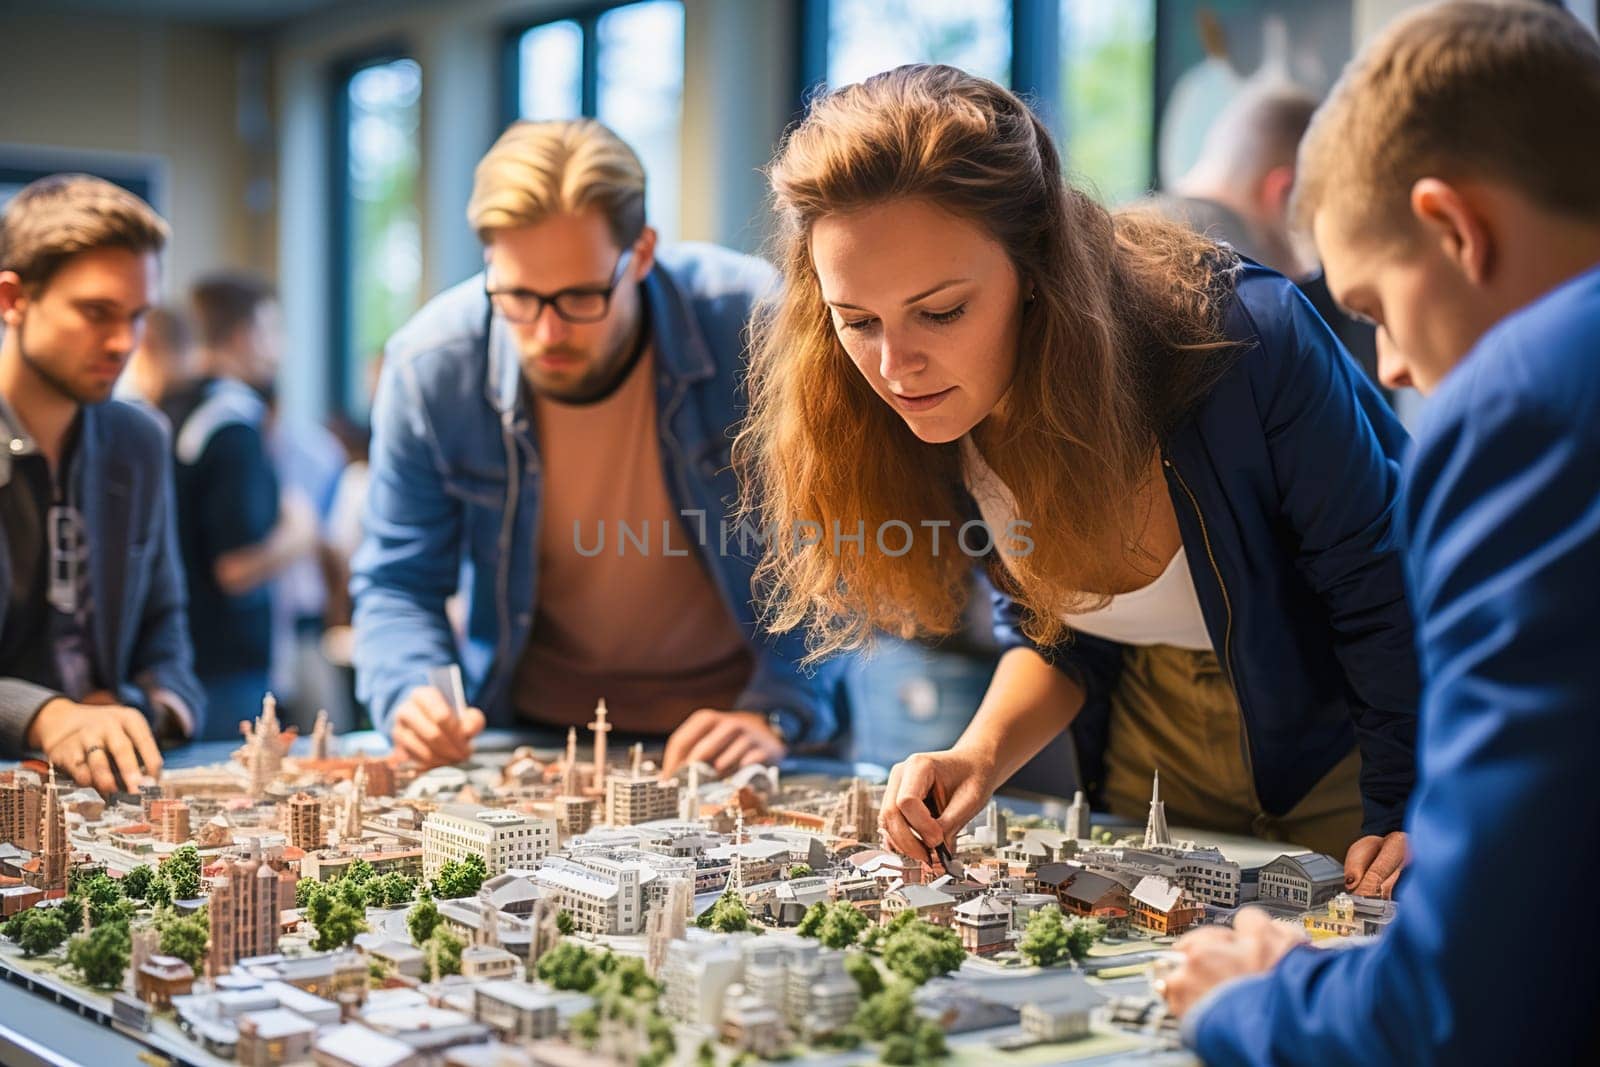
{"type": "Point", "coordinates": [1174, 710]}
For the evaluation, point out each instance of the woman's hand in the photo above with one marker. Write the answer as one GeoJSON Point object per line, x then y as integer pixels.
{"type": "Point", "coordinates": [961, 777]}
{"type": "Point", "coordinates": [1373, 864]}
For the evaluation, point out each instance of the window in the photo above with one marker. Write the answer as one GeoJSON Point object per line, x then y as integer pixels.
{"type": "Point", "coordinates": [868, 36]}
{"type": "Point", "coordinates": [623, 65]}
{"type": "Point", "coordinates": [1107, 103]}
{"type": "Point", "coordinates": [379, 239]}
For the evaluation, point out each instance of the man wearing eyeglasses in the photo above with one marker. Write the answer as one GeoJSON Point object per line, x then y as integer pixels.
{"type": "Point", "coordinates": [95, 661]}
{"type": "Point", "coordinates": [552, 440]}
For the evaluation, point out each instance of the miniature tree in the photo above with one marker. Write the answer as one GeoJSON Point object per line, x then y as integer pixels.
{"type": "Point", "coordinates": [443, 952]}
{"type": "Point", "coordinates": [564, 923]}
{"type": "Point", "coordinates": [158, 894]}
{"type": "Point", "coordinates": [339, 926]}
{"type": "Point", "coordinates": [569, 966]}
{"type": "Point", "coordinates": [13, 926]}
{"type": "Point", "coordinates": [801, 870]}
{"type": "Point", "coordinates": [920, 950]}
{"type": "Point", "coordinates": [1082, 935]}
{"type": "Point", "coordinates": [859, 966]}
{"type": "Point", "coordinates": [186, 937]}
{"type": "Point", "coordinates": [460, 878]}
{"type": "Point", "coordinates": [360, 872]}
{"type": "Point", "coordinates": [136, 883]}
{"type": "Point", "coordinates": [811, 922]}
{"type": "Point", "coordinates": [182, 872]}
{"type": "Point", "coordinates": [305, 889]}
{"type": "Point", "coordinates": [843, 924]}
{"type": "Point", "coordinates": [1044, 941]}
{"type": "Point", "coordinates": [890, 1016]}
{"type": "Point", "coordinates": [42, 932]}
{"type": "Point", "coordinates": [422, 920]}
{"type": "Point", "coordinates": [101, 956]}
{"type": "Point", "coordinates": [727, 916]}
{"type": "Point", "coordinates": [390, 890]}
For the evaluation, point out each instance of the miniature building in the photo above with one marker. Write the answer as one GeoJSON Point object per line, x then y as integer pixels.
{"type": "Point", "coordinates": [600, 728]}
{"type": "Point", "coordinates": [1162, 907]}
{"type": "Point", "coordinates": [321, 734]}
{"type": "Point", "coordinates": [983, 923]}
{"type": "Point", "coordinates": [170, 820]}
{"type": "Point", "coordinates": [19, 809]}
{"type": "Point", "coordinates": [160, 978]}
{"type": "Point", "coordinates": [398, 958]}
{"type": "Point", "coordinates": [55, 853]}
{"type": "Point", "coordinates": [328, 864]}
{"type": "Point", "coordinates": [504, 839]}
{"type": "Point", "coordinates": [637, 798]}
{"type": "Point", "coordinates": [487, 962]}
{"type": "Point", "coordinates": [603, 895]}
{"type": "Point", "coordinates": [750, 1024]}
{"type": "Point", "coordinates": [1077, 820]}
{"type": "Point", "coordinates": [302, 822]}
{"type": "Point", "coordinates": [931, 905]}
{"type": "Point", "coordinates": [243, 911]}
{"type": "Point", "coordinates": [855, 815]}
{"type": "Point", "coordinates": [264, 748]}
{"type": "Point", "coordinates": [1308, 880]}
{"type": "Point", "coordinates": [515, 1009]}
{"type": "Point", "coordinates": [575, 814]}
{"type": "Point", "coordinates": [1349, 916]}
{"type": "Point", "coordinates": [1062, 1018]}
{"type": "Point", "coordinates": [1095, 896]}
{"type": "Point", "coordinates": [354, 1045]}
{"type": "Point", "coordinates": [1155, 828]}
{"type": "Point", "coordinates": [820, 997]}
{"type": "Point", "coordinates": [696, 976]}
{"type": "Point", "coordinates": [273, 1037]}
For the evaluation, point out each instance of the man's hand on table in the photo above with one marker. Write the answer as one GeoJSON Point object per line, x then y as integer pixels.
{"type": "Point", "coordinates": [1373, 864]}
{"type": "Point", "coordinates": [727, 740]}
{"type": "Point", "coordinates": [1212, 955]}
{"type": "Point", "coordinates": [428, 731]}
{"type": "Point", "coordinates": [96, 741]}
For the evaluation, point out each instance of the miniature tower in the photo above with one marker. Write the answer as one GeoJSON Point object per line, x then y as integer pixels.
{"type": "Point", "coordinates": [1077, 821]}
{"type": "Point", "coordinates": [489, 922]}
{"type": "Point", "coordinates": [320, 736]}
{"type": "Point", "coordinates": [55, 854]}
{"type": "Point", "coordinates": [689, 798]}
{"type": "Point", "coordinates": [1155, 830]}
{"type": "Point", "coordinates": [736, 862]}
{"type": "Point", "coordinates": [636, 765]}
{"type": "Point", "coordinates": [350, 825]}
{"type": "Point", "coordinates": [995, 819]}
{"type": "Point", "coordinates": [143, 942]}
{"type": "Point", "coordinates": [600, 728]}
{"type": "Point", "coordinates": [667, 923]}
{"type": "Point", "coordinates": [264, 747]}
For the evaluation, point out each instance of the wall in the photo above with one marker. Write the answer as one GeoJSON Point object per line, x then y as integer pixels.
{"type": "Point", "coordinates": [147, 89]}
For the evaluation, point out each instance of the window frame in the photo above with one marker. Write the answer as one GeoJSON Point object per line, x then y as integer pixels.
{"type": "Point", "coordinates": [341, 257]}
{"type": "Point", "coordinates": [1036, 62]}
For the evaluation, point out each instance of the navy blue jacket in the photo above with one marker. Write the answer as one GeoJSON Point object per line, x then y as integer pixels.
{"type": "Point", "coordinates": [1285, 480]}
{"type": "Point", "coordinates": [1491, 959]}
{"type": "Point", "coordinates": [140, 642]}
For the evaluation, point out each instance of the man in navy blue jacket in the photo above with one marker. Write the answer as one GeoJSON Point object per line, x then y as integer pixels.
{"type": "Point", "coordinates": [95, 662]}
{"type": "Point", "coordinates": [1475, 247]}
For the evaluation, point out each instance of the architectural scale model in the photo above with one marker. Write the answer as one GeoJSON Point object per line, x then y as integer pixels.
{"type": "Point", "coordinates": [346, 910]}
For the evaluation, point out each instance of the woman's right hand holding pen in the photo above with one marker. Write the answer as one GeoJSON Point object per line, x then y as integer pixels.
{"type": "Point", "coordinates": [961, 775]}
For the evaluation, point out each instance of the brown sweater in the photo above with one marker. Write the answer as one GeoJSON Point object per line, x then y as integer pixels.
{"type": "Point", "coordinates": [621, 614]}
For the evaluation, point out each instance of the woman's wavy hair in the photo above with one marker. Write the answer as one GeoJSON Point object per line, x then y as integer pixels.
{"type": "Point", "coordinates": [1121, 337]}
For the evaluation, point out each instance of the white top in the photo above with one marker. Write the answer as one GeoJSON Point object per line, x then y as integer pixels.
{"type": "Point", "coordinates": [1165, 612]}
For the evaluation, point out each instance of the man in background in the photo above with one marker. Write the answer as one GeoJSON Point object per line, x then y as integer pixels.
{"type": "Point", "coordinates": [94, 649]}
{"type": "Point", "coordinates": [236, 529]}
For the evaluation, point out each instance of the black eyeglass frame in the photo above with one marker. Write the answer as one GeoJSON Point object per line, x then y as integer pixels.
{"type": "Point", "coordinates": [553, 300]}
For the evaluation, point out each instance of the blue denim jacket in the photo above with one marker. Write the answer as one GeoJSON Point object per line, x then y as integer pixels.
{"type": "Point", "coordinates": [122, 473]}
{"type": "Point", "coordinates": [1286, 482]}
{"type": "Point", "coordinates": [442, 513]}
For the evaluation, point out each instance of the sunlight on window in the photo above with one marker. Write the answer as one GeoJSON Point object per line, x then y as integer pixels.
{"type": "Point", "coordinates": [385, 235]}
{"type": "Point", "coordinates": [550, 66]}
{"type": "Point", "coordinates": [1107, 94]}
{"type": "Point", "coordinates": [641, 97]}
{"type": "Point", "coordinates": [868, 36]}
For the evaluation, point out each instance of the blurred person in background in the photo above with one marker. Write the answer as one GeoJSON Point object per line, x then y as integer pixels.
{"type": "Point", "coordinates": [237, 528]}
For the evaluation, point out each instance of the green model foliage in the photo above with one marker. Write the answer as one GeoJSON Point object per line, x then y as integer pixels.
{"type": "Point", "coordinates": [727, 916]}
{"type": "Point", "coordinates": [101, 955]}
{"type": "Point", "coordinates": [920, 950]}
{"type": "Point", "coordinates": [443, 953]}
{"type": "Point", "coordinates": [859, 966]}
{"type": "Point", "coordinates": [569, 966]}
{"type": "Point", "coordinates": [1044, 938]}
{"type": "Point", "coordinates": [42, 931]}
{"type": "Point", "coordinates": [339, 926]}
{"type": "Point", "coordinates": [422, 920]}
{"type": "Point", "coordinates": [184, 936]}
{"type": "Point", "coordinates": [136, 883]}
{"type": "Point", "coordinates": [181, 871]}
{"type": "Point", "coordinates": [460, 878]}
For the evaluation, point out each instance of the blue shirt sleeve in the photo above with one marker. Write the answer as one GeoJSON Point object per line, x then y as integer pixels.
{"type": "Point", "coordinates": [241, 504]}
{"type": "Point", "coordinates": [1491, 958]}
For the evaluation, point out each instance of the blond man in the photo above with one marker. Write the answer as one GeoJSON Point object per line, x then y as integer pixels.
{"type": "Point", "coordinates": [1452, 181]}
{"type": "Point", "coordinates": [95, 662]}
{"type": "Point", "coordinates": [551, 438]}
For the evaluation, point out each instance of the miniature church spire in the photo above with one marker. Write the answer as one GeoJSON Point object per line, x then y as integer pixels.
{"type": "Point", "coordinates": [600, 728]}
{"type": "Point", "coordinates": [1155, 830]}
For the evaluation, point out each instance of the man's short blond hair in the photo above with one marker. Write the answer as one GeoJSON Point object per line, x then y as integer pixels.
{"type": "Point", "coordinates": [539, 169]}
{"type": "Point", "coordinates": [1474, 89]}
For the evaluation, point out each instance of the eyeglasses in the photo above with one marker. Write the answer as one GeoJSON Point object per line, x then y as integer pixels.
{"type": "Point", "coordinates": [580, 304]}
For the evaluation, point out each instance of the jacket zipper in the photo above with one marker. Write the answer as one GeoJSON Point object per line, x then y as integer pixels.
{"type": "Point", "coordinates": [1227, 606]}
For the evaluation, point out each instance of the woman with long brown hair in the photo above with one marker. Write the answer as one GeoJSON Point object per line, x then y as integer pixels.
{"type": "Point", "coordinates": [1185, 487]}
